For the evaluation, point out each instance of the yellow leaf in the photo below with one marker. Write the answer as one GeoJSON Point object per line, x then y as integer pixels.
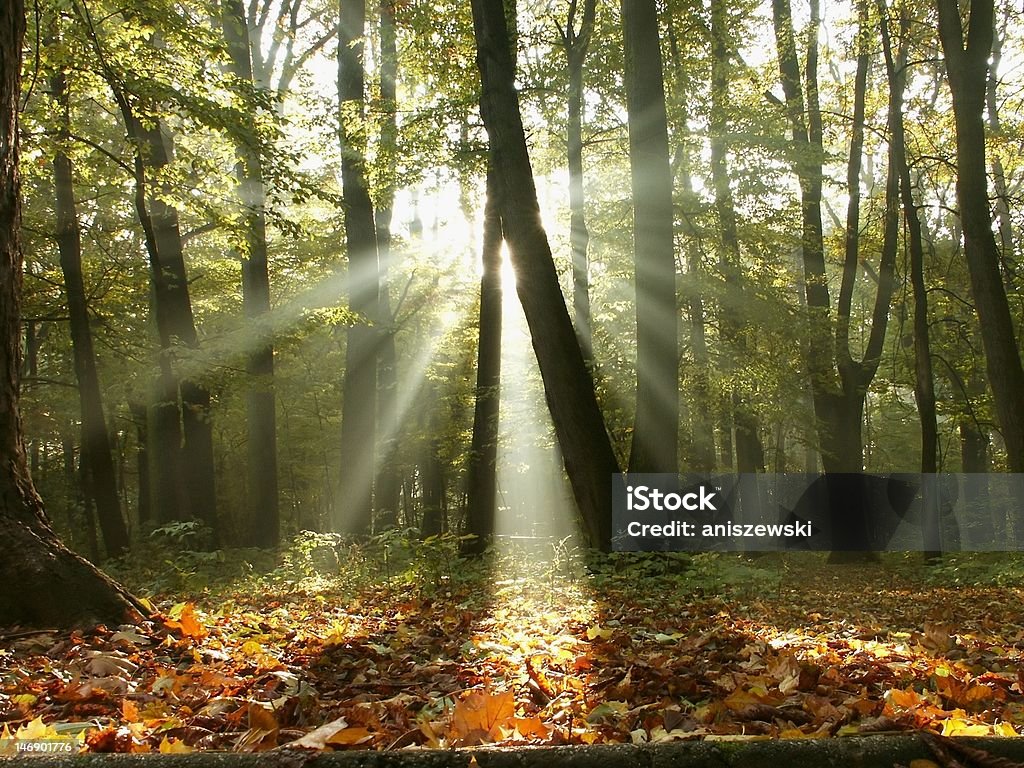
{"type": "Point", "coordinates": [174, 747]}
{"type": "Point", "coordinates": [24, 701]}
{"type": "Point", "coordinates": [251, 648]}
{"type": "Point", "coordinates": [35, 730]}
{"type": "Point", "coordinates": [955, 726]}
{"type": "Point", "coordinates": [1003, 729]}
{"type": "Point", "coordinates": [596, 631]}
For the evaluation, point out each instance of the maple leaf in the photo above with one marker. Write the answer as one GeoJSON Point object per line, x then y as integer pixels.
{"type": "Point", "coordinates": [478, 717]}
{"type": "Point", "coordinates": [183, 618]}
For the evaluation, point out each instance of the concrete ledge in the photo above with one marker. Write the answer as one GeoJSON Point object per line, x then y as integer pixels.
{"type": "Point", "coordinates": [879, 751]}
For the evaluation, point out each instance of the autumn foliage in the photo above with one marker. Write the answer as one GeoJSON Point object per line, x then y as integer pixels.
{"type": "Point", "coordinates": [641, 651]}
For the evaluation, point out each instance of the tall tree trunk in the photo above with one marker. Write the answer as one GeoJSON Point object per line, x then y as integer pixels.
{"type": "Point", "coordinates": [702, 426]}
{"type": "Point", "coordinates": [967, 70]}
{"type": "Point", "coordinates": [96, 455]}
{"type": "Point", "coordinates": [388, 481]}
{"type": "Point", "coordinates": [568, 386]}
{"type": "Point", "coordinates": [734, 326]}
{"type": "Point", "coordinates": [42, 583]}
{"type": "Point", "coordinates": [261, 417]}
{"type": "Point", "coordinates": [839, 382]}
{"type": "Point", "coordinates": [575, 43]}
{"type": "Point", "coordinates": [482, 484]}
{"type": "Point", "coordinates": [924, 383]}
{"type": "Point", "coordinates": [354, 511]}
{"type": "Point", "coordinates": [656, 429]}
{"type": "Point", "coordinates": [181, 427]}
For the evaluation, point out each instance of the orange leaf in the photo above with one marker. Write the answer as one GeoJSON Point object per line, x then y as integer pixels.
{"type": "Point", "coordinates": [188, 624]}
{"type": "Point", "coordinates": [481, 714]}
{"type": "Point", "coordinates": [531, 726]}
{"type": "Point", "coordinates": [129, 711]}
{"type": "Point", "coordinates": [908, 699]}
{"type": "Point", "coordinates": [350, 736]}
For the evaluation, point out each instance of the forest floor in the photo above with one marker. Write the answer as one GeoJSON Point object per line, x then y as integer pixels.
{"type": "Point", "coordinates": [431, 652]}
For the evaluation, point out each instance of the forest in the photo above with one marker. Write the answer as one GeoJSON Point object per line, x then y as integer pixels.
{"type": "Point", "coordinates": [327, 326]}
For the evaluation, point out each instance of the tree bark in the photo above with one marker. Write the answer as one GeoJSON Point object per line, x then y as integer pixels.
{"type": "Point", "coordinates": [656, 429]}
{"type": "Point", "coordinates": [42, 583]}
{"type": "Point", "coordinates": [575, 43]}
{"type": "Point", "coordinates": [967, 70]}
{"type": "Point", "coordinates": [354, 510]}
{"type": "Point", "coordinates": [568, 386]}
{"type": "Point", "coordinates": [96, 454]}
{"type": "Point", "coordinates": [482, 484]}
{"type": "Point", "coordinates": [264, 513]}
{"type": "Point", "coordinates": [1003, 221]}
{"type": "Point", "coordinates": [388, 481]}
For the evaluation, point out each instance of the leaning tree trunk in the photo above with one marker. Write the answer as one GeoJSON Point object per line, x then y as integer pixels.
{"type": "Point", "coordinates": [656, 429]}
{"type": "Point", "coordinates": [42, 583]}
{"type": "Point", "coordinates": [354, 511]}
{"type": "Point", "coordinates": [967, 70]}
{"type": "Point", "coordinates": [96, 455]}
{"type": "Point", "coordinates": [568, 387]}
{"type": "Point", "coordinates": [261, 416]}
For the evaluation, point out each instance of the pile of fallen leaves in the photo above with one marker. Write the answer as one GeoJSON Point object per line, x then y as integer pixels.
{"type": "Point", "coordinates": [826, 651]}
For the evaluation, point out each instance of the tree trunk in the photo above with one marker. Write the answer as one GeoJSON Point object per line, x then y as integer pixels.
{"type": "Point", "coordinates": [144, 508]}
{"type": "Point", "coordinates": [42, 583]}
{"type": "Point", "coordinates": [924, 383]}
{"type": "Point", "coordinates": [1003, 221]}
{"type": "Point", "coordinates": [96, 453]}
{"type": "Point", "coordinates": [702, 441]}
{"type": "Point", "coordinates": [734, 326]}
{"type": "Point", "coordinates": [568, 386]}
{"type": "Point", "coordinates": [354, 511]}
{"type": "Point", "coordinates": [261, 417]}
{"type": "Point", "coordinates": [839, 383]}
{"type": "Point", "coordinates": [388, 482]}
{"type": "Point", "coordinates": [182, 429]}
{"type": "Point", "coordinates": [482, 485]}
{"type": "Point", "coordinates": [575, 43]}
{"type": "Point", "coordinates": [967, 70]}
{"type": "Point", "coordinates": [656, 429]}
